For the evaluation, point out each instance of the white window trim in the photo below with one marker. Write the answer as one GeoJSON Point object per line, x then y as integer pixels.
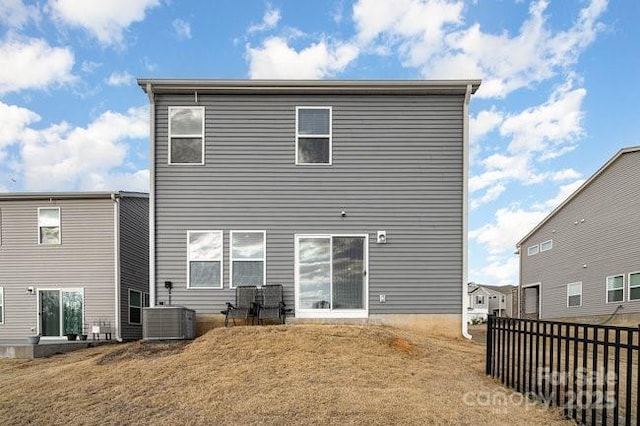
{"type": "Point", "coordinates": [263, 259]}
{"type": "Point", "coordinates": [329, 135]}
{"type": "Point", "coordinates": [330, 313]}
{"type": "Point", "coordinates": [59, 289]}
{"type": "Point", "coordinates": [129, 306]}
{"type": "Point", "coordinates": [537, 250]}
{"type": "Point", "coordinates": [570, 284]}
{"type": "Point", "coordinates": [211, 260]}
{"type": "Point", "coordinates": [170, 135]}
{"type": "Point", "coordinates": [606, 287]}
{"type": "Point", "coordinates": [630, 287]}
{"type": "Point", "coordinates": [40, 243]}
{"type": "Point", "coordinates": [2, 305]}
{"type": "Point", "coordinates": [545, 242]}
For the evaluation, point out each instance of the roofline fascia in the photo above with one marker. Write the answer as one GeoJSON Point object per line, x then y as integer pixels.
{"type": "Point", "coordinates": [386, 87]}
{"type": "Point", "coordinates": [26, 196]}
{"type": "Point", "coordinates": [578, 191]}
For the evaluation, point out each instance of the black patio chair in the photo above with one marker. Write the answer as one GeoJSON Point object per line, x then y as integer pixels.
{"type": "Point", "coordinates": [245, 307]}
{"type": "Point", "coordinates": [272, 306]}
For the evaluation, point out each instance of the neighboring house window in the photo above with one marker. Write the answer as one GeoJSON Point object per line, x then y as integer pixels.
{"type": "Point", "coordinates": [634, 286]}
{"type": "Point", "coordinates": [574, 294]}
{"type": "Point", "coordinates": [145, 300]}
{"type": "Point", "coordinates": [1, 305]}
{"type": "Point", "coordinates": [204, 259]}
{"type": "Point", "coordinates": [248, 255]}
{"type": "Point", "coordinates": [532, 250]}
{"type": "Point", "coordinates": [547, 245]}
{"type": "Point", "coordinates": [615, 288]}
{"type": "Point", "coordinates": [502, 299]}
{"type": "Point", "coordinates": [186, 135]}
{"type": "Point", "coordinates": [479, 300]}
{"type": "Point", "coordinates": [49, 225]}
{"type": "Point", "coordinates": [135, 307]}
{"type": "Point", "coordinates": [313, 135]}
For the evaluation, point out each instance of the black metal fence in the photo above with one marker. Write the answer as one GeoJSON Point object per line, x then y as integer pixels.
{"type": "Point", "coordinates": [590, 371]}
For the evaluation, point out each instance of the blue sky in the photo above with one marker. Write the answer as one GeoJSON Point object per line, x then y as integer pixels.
{"type": "Point", "coordinates": [559, 94]}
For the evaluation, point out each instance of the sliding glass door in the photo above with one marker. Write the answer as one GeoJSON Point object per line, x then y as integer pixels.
{"type": "Point", "coordinates": [331, 275]}
{"type": "Point", "coordinates": [61, 312]}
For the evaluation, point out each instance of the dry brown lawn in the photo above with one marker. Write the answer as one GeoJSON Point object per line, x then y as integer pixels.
{"type": "Point", "coordinates": [294, 374]}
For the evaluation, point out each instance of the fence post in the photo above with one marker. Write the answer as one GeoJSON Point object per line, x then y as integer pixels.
{"type": "Point", "coordinates": [489, 343]}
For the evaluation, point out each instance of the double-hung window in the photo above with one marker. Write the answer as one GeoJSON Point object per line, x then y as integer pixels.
{"type": "Point", "coordinates": [634, 286]}
{"type": "Point", "coordinates": [204, 259]}
{"type": "Point", "coordinates": [49, 225]}
{"type": "Point", "coordinates": [615, 288]}
{"type": "Point", "coordinates": [313, 135]}
{"type": "Point", "coordinates": [135, 307]}
{"type": "Point", "coordinates": [186, 135]}
{"type": "Point", "coordinates": [574, 294]}
{"type": "Point", "coordinates": [248, 258]}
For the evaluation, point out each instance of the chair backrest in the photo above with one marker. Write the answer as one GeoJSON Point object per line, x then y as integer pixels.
{"type": "Point", "coordinates": [272, 295]}
{"type": "Point", "coordinates": [246, 296]}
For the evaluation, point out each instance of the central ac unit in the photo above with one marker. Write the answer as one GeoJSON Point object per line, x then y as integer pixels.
{"type": "Point", "coordinates": [168, 323]}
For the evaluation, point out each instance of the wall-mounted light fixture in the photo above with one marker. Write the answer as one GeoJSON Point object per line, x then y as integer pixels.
{"type": "Point", "coordinates": [382, 237]}
{"type": "Point", "coordinates": [343, 213]}
{"type": "Point", "coordinates": [30, 290]}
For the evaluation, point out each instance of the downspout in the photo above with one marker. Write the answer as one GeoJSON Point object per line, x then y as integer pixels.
{"type": "Point", "coordinates": [152, 198]}
{"type": "Point", "coordinates": [116, 239]}
{"type": "Point", "coordinates": [465, 208]}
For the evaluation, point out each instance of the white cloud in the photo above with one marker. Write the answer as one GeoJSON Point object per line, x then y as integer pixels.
{"type": "Point", "coordinates": [15, 14]}
{"type": "Point", "coordinates": [120, 79]}
{"type": "Point", "coordinates": [13, 122]}
{"type": "Point", "coordinates": [431, 35]}
{"type": "Point", "coordinates": [501, 271]}
{"type": "Point", "coordinates": [62, 157]}
{"type": "Point", "coordinates": [565, 174]}
{"type": "Point", "coordinates": [114, 181]}
{"type": "Point", "coordinates": [182, 29]}
{"type": "Point", "coordinates": [29, 63]}
{"type": "Point", "coordinates": [276, 59]}
{"type": "Point", "coordinates": [563, 193]}
{"type": "Point", "coordinates": [105, 20]}
{"type": "Point", "coordinates": [269, 20]}
{"type": "Point", "coordinates": [490, 195]}
{"type": "Point", "coordinates": [90, 66]}
{"type": "Point", "coordinates": [510, 225]}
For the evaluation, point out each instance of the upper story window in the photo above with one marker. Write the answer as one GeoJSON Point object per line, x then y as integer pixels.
{"type": "Point", "coordinates": [479, 299]}
{"type": "Point", "coordinates": [547, 245]}
{"type": "Point", "coordinates": [49, 225]}
{"type": "Point", "coordinates": [313, 135]}
{"type": "Point", "coordinates": [634, 286]}
{"type": "Point", "coordinates": [248, 255]}
{"type": "Point", "coordinates": [186, 135]}
{"type": "Point", "coordinates": [574, 294]}
{"type": "Point", "coordinates": [204, 259]}
{"type": "Point", "coordinates": [532, 250]}
{"type": "Point", "coordinates": [615, 288]}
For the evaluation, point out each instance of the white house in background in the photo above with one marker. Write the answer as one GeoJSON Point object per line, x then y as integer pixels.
{"type": "Point", "coordinates": [489, 299]}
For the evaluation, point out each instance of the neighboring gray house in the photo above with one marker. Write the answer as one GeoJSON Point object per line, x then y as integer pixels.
{"type": "Point", "coordinates": [352, 194]}
{"type": "Point", "coordinates": [491, 299]}
{"type": "Point", "coordinates": [582, 262]}
{"type": "Point", "coordinates": [72, 260]}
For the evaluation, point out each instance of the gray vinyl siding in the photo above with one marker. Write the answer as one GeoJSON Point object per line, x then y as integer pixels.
{"type": "Point", "coordinates": [598, 228]}
{"type": "Point", "coordinates": [85, 259]}
{"type": "Point", "coordinates": [134, 258]}
{"type": "Point", "coordinates": [397, 166]}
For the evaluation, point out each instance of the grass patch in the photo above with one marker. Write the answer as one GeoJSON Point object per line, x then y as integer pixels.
{"type": "Point", "coordinates": [294, 374]}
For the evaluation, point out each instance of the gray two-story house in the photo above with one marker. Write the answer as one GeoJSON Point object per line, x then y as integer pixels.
{"type": "Point", "coordinates": [582, 262]}
{"type": "Point", "coordinates": [70, 262]}
{"type": "Point", "coordinates": [352, 194]}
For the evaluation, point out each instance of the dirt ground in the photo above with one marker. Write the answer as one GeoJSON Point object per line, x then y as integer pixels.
{"type": "Point", "coordinates": [293, 374]}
